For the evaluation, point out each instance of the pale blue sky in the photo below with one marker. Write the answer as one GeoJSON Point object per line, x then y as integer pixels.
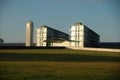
{"type": "Point", "coordinates": [102, 16]}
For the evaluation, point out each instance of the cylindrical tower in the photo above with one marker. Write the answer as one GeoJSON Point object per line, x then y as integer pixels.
{"type": "Point", "coordinates": [29, 33]}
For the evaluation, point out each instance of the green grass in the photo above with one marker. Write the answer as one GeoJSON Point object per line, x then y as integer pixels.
{"type": "Point", "coordinates": [46, 50]}
{"type": "Point", "coordinates": [58, 64]}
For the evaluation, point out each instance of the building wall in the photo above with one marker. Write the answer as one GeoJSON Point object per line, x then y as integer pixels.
{"type": "Point", "coordinates": [41, 35]}
{"type": "Point", "coordinates": [62, 44]}
{"type": "Point", "coordinates": [77, 35]}
{"type": "Point", "coordinates": [29, 33]}
{"type": "Point", "coordinates": [44, 34]}
{"type": "Point", "coordinates": [91, 38]}
{"type": "Point", "coordinates": [82, 36]}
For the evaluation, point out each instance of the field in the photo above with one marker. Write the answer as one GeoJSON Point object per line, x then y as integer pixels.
{"type": "Point", "coordinates": [58, 64]}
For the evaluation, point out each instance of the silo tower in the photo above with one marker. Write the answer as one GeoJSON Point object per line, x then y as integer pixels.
{"type": "Point", "coordinates": [29, 33]}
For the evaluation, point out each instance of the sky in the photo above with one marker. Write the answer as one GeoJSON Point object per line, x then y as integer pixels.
{"type": "Point", "coordinates": [102, 16]}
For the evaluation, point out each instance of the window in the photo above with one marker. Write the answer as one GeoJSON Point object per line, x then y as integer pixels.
{"type": "Point", "coordinates": [72, 38]}
{"type": "Point", "coordinates": [72, 28]}
{"type": "Point", "coordinates": [73, 33]}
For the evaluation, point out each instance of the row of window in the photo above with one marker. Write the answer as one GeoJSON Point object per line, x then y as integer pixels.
{"type": "Point", "coordinates": [77, 44]}
{"type": "Point", "coordinates": [41, 44]}
{"type": "Point", "coordinates": [76, 28]}
{"type": "Point", "coordinates": [76, 38]}
{"type": "Point", "coordinates": [40, 39]}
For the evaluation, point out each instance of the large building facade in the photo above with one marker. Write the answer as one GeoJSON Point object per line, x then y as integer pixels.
{"type": "Point", "coordinates": [46, 36]}
{"type": "Point", "coordinates": [82, 36]}
{"type": "Point", "coordinates": [29, 33]}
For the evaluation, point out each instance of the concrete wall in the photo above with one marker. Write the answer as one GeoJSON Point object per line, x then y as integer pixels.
{"type": "Point", "coordinates": [96, 49]}
{"type": "Point", "coordinates": [62, 44]}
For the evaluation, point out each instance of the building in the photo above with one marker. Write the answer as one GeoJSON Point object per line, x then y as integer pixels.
{"type": "Point", "coordinates": [1, 41]}
{"type": "Point", "coordinates": [82, 36]}
{"type": "Point", "coordinates": [29, 33]}
{"type": "Point", "coordinates": [12, 44]}
{"type": "Point", "coordinates": [46, 36]}
{"type": "Point", "coordinates": [115, 45]}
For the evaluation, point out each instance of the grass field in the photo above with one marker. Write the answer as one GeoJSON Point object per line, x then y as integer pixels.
{"type": "Point", "coordinates": [58, 64]}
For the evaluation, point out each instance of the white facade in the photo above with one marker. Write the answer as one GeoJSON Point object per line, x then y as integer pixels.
{"type": "Point", "coordinates": [81, 36]}
{"type": "Point", "coordinates": [29, 33]}
{"type": "Point", "coordinates": [77, 35]}
{"type": "Point", "coordinates": [41, 36]}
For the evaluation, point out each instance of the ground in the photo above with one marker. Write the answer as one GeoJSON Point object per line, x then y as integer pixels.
{"type": "Point", "coordinates": [58, 64]}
